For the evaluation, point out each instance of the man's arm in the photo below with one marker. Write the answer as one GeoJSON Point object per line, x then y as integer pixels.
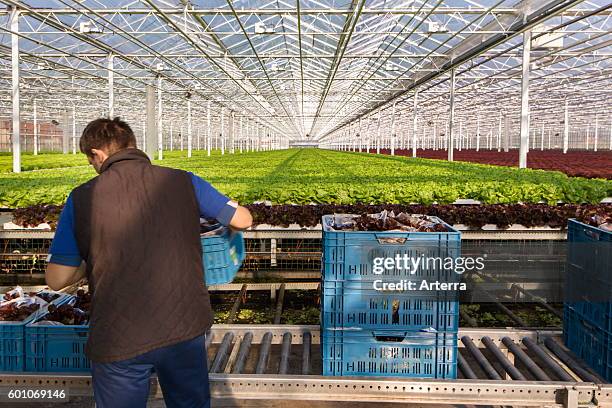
{"type": "Point", "coordinates": [242, 218]}
{"type": "Point", "coordinates": [65, 265]}
{"type": "Point", "coordinates": [59, 276]}
{"type": "Point", "coordinates": [213, 204]}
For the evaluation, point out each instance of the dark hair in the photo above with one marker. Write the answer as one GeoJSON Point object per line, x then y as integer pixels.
{"type": "Point", "coordinates": [109, 134]}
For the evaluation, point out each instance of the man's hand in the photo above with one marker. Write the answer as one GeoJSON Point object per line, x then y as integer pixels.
{"type": "Point", "coordinates": [242, 218]}
{"type": "Point", "coordinates": [59, 276]}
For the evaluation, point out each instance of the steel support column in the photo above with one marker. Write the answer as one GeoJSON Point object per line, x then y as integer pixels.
{"type": "Point", "coordinates": [65, 131]}
{"type": "Point", "coordinates": [73, 138]}
{"type": "Point", "coordinates": [182, 136]}
{"type": "Point", "coordinates": [241, 134]}
{"type": "Point", "coordinates": [524, 147]}
{"type": "Point", "coordinates": [359, 135]}
{"type": "Point", "coordinates": [461, 138]}
{"type": "Point", "coordinates": [566, 128]}
{"type": "Point", "coordinates": [393, 131]}
{"type": "Point", "coordinates": [499, 130]}
{"type": "Point", "coordinates": [451, 115]}
{"type": "Point", "coordinates": [232, 127]}
{"type": "Point", "coordinates": [222, 130]}
{"type": "Point", "coordinates": [478, 132]}
{"type": "Point", "coordinates": [369, 138]}
{"type": "Point", "coordinates": [16, 117]}
{"type": "Point", "coordinates": [111, 86]}
{"type": "Point", "coordinates": [506, 132]}
{"type": "Point", "coordinates": [208, 134]}
{"type": "Point", "coordinates": [160, 136]}
{"type": "Point", "coordinates": [596, 135]}
{"type": "Point", "coordinates": [36, 142]}
{"type": "Point", "coordinates": [414, 124]}
{"type": "Point", "coordinates": [151, 131]}
{"type": "Point", "coordinates": [189, 130]}
{"type": "Point", "coordinates": [378, 135]}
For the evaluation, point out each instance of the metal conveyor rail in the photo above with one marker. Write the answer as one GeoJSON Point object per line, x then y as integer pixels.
{"type": "Point", "coordinates": [264, 362]}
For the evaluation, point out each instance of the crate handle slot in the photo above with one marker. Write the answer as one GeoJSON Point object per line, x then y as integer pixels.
{"type": "Point", "coordinates": [390, 337]}
{"type": "Point", "coordinates": [588, 325]}
{"type": "Point", "coordinates": [592, 234]}
{"type": "Point", "coordinates": [387, 240]}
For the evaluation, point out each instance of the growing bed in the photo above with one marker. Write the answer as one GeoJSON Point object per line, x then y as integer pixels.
{"type": "Point", "coordinates": [304, 176]}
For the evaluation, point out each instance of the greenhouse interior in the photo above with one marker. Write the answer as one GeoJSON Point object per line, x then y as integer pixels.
{"type": "Point", "coordinates": [325, 203]}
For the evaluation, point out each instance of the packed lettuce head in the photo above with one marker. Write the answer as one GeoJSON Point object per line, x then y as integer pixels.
{"type": "Point", "coordinates": [388, 221]}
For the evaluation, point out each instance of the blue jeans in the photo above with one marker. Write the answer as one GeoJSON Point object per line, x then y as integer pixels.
{"type": "Point", "coordinates": [181, 371]}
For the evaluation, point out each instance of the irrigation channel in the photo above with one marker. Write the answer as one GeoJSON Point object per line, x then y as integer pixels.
{"type": "Point", "coordinates": [264, 345]}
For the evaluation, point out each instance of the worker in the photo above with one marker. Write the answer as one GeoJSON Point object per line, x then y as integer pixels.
{"type": "Point", "coordinates": [134, 232]}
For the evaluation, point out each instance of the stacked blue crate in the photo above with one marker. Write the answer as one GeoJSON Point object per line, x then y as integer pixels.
{"type": "Point", "coordinates": [365, 331]}
{"type": "Point", "coordinates": [587, 323]}
{"type": "Point", "coordinates": [13, 344]}
{"type": "Point", "coordinates": [588, 341]}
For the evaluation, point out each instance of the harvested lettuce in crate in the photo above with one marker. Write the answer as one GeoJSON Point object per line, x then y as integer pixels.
{"type": "Point", "coordinates": [388, 221]}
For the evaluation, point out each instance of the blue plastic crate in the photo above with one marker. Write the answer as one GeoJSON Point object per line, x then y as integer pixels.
{"type": "Point", "coordinates": [588, 283]}
{"type": "Point", "coordinates": [389, 353]}
{"type": "Point", "coordinates": [598, 313]}
{"type": "Point", "coordinates": [12, 345]}
{"type": "Point", "coordinates": [12, 341]}
{"type": "Point", "coordinates": [349, 255]}
{"type": "Point", "coordinates": [56, 348]}
{"type": "Point", "coordinates": [588, 341]}
{"type": "Point", "coordinates": [580, 232]}
{"type": "Point", "coordinates": [222, 256]}
{"type": "Point", "coordinates": [357, 304]}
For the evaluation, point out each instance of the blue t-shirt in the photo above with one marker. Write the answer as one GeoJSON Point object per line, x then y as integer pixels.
{"type": "Point", "coordinates": [64, 249]}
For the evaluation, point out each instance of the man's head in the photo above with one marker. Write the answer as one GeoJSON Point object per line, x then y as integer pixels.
{"type": "Point", "coordinates": [103, 137]}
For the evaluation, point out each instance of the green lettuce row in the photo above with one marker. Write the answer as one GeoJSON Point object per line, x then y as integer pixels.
{"type": "Point", "coordinates": [320, 176]}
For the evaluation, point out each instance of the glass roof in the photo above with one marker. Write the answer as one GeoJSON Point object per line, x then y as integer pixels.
{"type": "Point", "coordinates": [305, 67]}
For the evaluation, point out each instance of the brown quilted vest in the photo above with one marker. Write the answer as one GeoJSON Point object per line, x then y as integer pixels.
{"type": "Point", "coordinates": [137, 228]}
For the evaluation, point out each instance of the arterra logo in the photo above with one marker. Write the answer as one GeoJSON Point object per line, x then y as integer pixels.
{"type": "Point", "coordinates": [406, 285]}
